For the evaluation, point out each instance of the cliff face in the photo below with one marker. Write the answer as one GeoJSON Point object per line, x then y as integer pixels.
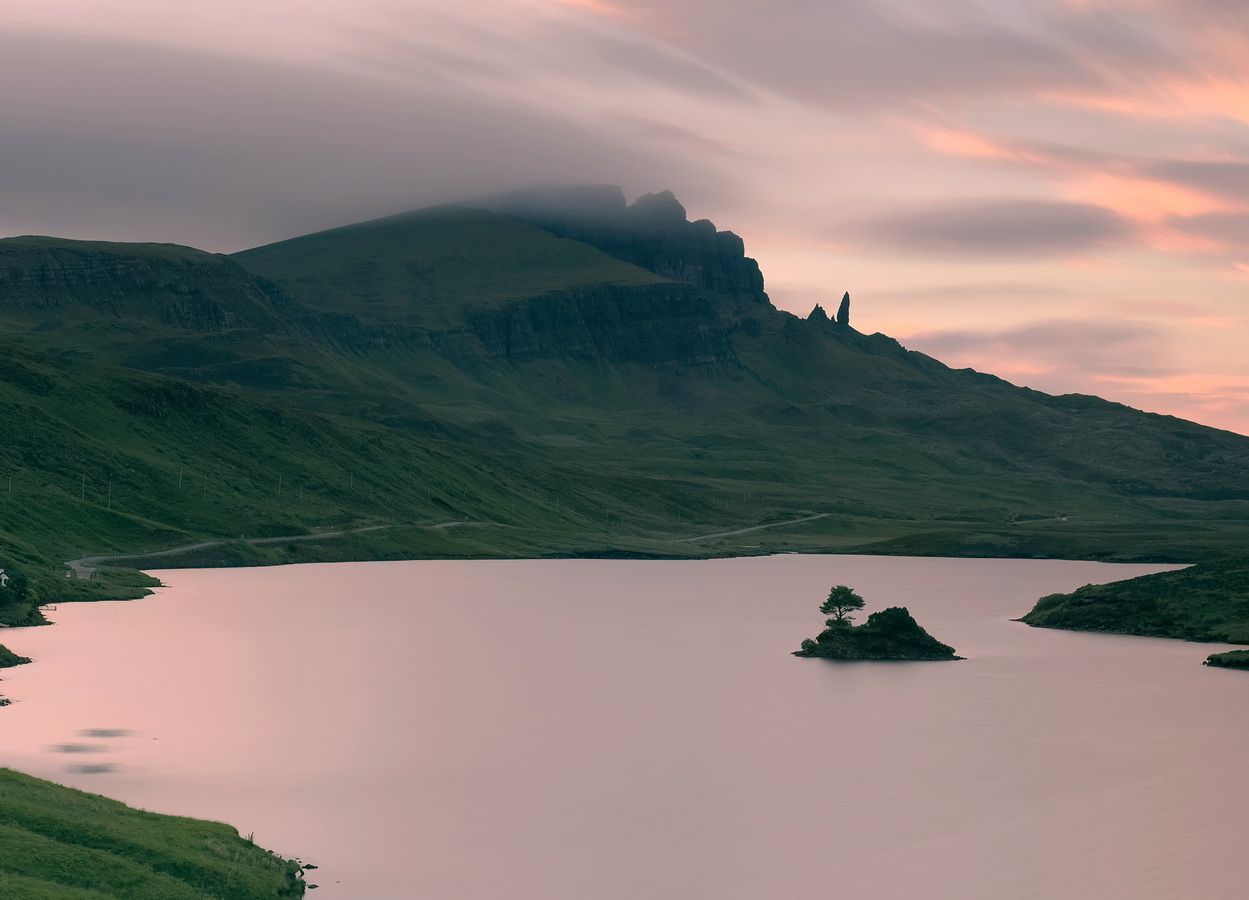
{"type": "Point", "coordinates": [660, 325]}
{"type": "Point", "coordinates": [653, 233]}
{"type": "Point", "coordinates": [177, 286]}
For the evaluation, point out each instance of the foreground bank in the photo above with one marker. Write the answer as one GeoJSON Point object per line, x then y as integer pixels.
{"type": "Point", "coordinates": [57, 843]}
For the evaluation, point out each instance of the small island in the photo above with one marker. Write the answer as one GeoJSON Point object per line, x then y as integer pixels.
{"type": "Point", "coordinates": [889, 634]}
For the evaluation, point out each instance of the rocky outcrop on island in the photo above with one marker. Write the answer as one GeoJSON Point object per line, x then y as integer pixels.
{"type": "Point", "coordinates": [889, 634]}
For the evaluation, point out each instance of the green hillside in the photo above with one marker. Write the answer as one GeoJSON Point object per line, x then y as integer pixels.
{"type": "Point", "coordinates": [422, 268]}
{"type": "Point", "coordinates": [613, 382]}
{"type": "Point", "coordinates": [63, 844]}
{"type": "Point", "coordinates": [541, 374]}
{"type": "Point", "coordinates": [1205, 602]}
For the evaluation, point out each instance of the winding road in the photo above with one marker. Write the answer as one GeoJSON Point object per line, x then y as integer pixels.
{"type": "Point", "coordinates": [704, 537]}
{"type": "Point", "coordinates": [86, 566]}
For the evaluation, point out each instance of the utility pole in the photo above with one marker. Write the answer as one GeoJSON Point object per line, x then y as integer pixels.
{"type": "Point", "coordinates": [180, 469]}
{"type": "Point", "coordinates": [110, 495]}
{"type": "Point", "coordinates": [83, 495]}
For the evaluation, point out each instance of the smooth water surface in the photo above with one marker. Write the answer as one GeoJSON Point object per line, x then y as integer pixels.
{"type": "Point", "coordinates": [619, 730]}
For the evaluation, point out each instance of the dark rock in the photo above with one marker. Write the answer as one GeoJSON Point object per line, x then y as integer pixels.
{"type": "Point", "coordinates": [9, 658]}
{"type": "Point", "coordinates": [843, 311]}
{"type": "Point", "coordinates": [178, 286]}
{"type": "Point", "coordinates": [656, 325]}
{"type": "Point", "coordinates": [652, 234]}
{"type": "Point", "coordinates": [889, 634]}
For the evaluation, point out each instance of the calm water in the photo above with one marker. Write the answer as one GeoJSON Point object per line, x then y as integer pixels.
{"type": "Point", "coordinates": [619, 730]}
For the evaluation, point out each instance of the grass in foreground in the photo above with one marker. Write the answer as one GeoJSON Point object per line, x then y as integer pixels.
{"type": "Point", "coordinates": [57, 843]}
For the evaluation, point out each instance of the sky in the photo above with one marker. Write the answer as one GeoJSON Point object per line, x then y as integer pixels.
{"type": "Point", "coordinates": [1054, 191]}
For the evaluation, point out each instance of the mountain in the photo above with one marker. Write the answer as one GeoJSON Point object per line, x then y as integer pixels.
{"type": "Point", "coordinates": [582, 375]}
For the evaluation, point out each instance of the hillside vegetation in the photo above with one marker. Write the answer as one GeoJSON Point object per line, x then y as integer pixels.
{"type": "Point", "coordinates": [1205, 602]}
{"type": "Point", "coordinates": [575, 375]}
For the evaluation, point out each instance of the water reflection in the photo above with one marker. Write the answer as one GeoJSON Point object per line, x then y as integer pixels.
{"type": "Point", "coordinates": [615, 730]}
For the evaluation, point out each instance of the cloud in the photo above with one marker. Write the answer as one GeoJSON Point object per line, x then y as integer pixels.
{"type": "Point", "coordinates": [1227, 179]}
{"type": "Point", "coordinates": [658, 63]}
{"type": "Point", "coordinates": [856, 54]}
{"type": "Point", "coordinates": [1055, 344]}
{"type": "Point", "coordinates": [1230, 230]}
{"type": "Point", "coordinates": [1129, 362]}
{"type": "Point", "coordinates": [142, 143]}
{"type": "Point", "coordinates": [998, 228]}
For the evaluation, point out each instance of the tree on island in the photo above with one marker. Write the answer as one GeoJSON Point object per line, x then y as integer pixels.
{"type": "Point", "coordinates": [840, 603]}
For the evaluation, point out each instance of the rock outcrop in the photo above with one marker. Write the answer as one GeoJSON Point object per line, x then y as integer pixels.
{"type": "Point", "coordinates": [659, 325]}
{"type": "Point", "coordinates": [889, 634]}
{"type": "Point", "coordinates": [652, 233]}
{"type": "Point", "coordinates": [183, 288]}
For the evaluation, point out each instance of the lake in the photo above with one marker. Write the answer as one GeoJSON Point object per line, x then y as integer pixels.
{"type": "Point", "coordinates": [620, 730]}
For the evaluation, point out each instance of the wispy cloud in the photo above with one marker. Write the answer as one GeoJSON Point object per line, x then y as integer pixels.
{"type": "Point", "coordinates": [1092, 150]}
{"type": "Point", "coordinates": [998, 228]}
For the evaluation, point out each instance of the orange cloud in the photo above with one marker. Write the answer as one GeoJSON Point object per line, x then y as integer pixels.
{"type": "Point", "coordinates": [1143, 199]}
{"type": "Point", "coordinates": [963, 143]}
{"type": "Point", "coordinates": [1179, 99]}
{"type": "Point", "coordinates": [1152, 204]}
{"type": "Point", "coordinates": [960, 142]}
{"type": "Point", "coordinates": [1102, 181]}
{"type": "Point", "coordinates": [603, 8]}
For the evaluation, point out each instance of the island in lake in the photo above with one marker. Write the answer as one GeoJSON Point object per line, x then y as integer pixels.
{"type": "Point", "coordinates": [891, 633]}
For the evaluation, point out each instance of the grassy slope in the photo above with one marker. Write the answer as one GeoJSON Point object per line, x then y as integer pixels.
{"type": "Point", "coordinates": [61, 844]}
{"type": "Point", "coordinates": [15, 250]}
{"type": "Point", "coordinates": [421, 268]}
{"type": "Point", "coordinates": [1206, 602]}
{"type": "Point", "coordinates": [150, 411]}
{"type": "Point", "coordinates": [277, 434]}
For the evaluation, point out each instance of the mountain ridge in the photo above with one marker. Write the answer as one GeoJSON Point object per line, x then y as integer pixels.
{"type": "Point", "coordinates": [503, 366]}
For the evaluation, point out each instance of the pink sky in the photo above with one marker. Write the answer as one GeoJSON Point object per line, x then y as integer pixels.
{"type": "Point", "coordinates": [1055, 191]}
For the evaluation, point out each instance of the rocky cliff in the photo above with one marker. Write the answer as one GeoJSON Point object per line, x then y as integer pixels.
{"type": "Point", "coordinates": [47, 279]}
{"type": "Point", "coordinates": [652, 233]}
{"type": "Point", "coordinates": [659, 325]}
